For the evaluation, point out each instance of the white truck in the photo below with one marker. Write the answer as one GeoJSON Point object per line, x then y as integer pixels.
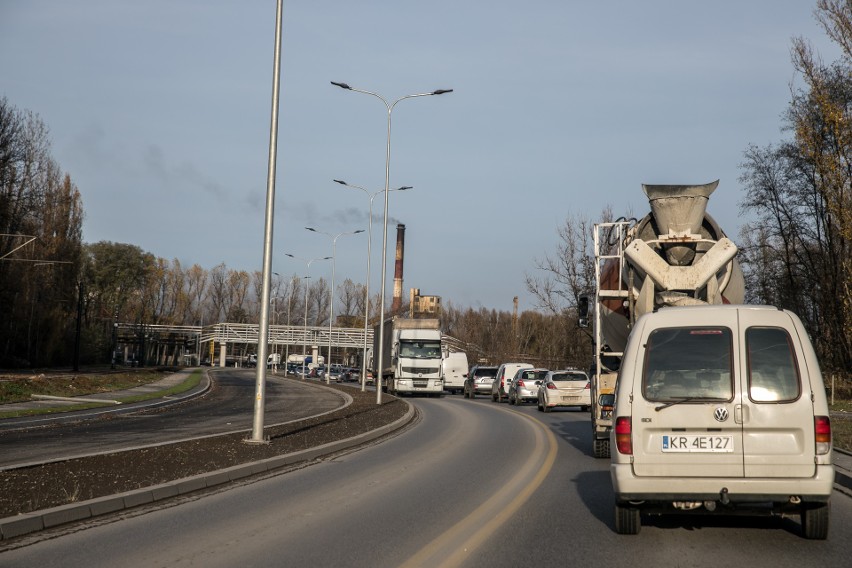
{"type": "Point", "coordinates": [677, 255]}
{"type": "Point", "coordinates": [411, 357]}
{"type": "Point", "coordinates": [454, 371]}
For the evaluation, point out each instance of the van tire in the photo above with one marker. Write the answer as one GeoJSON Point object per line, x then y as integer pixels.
{"type": "Point", "coordinates": [627, 519]}
{"type": "Point", "coordinates": [815, 520]}
{"type": "Point", "coordinates": [600, 448]}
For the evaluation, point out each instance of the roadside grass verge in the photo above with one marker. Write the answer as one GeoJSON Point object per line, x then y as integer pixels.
{"type": "Point", "coordinates": [111, 384]}
{"type": "Point", "coordinates": [21, 387]}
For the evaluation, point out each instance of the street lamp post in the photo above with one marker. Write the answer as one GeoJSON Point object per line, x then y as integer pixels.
{"type": "Point", "coordinates": [277, 314]}
{"type": "Point", "coordinates": [389, 107]}
{"type": "Point", "coordinates": [305, 338]}
{"type": "Point", "coordinates": [331, 293]}
{"type": "Point", "coordinates": [263, 331]}
{"type": "Point", "coordinates": [287, 343]}
{"type": "Point", "coordinates": [367, 285]}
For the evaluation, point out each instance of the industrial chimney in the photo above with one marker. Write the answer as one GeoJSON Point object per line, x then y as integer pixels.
{"type": "Point", "coordinates": [397, 272]}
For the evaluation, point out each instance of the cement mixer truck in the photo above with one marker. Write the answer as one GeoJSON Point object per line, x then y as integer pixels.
{"type": "Point", "coordinates": [677, 255]}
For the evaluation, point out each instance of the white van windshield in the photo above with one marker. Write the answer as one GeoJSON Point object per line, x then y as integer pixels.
{"type": "Point", "coordinates": [688, 363]}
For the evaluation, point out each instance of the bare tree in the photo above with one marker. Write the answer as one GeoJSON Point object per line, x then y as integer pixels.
{"type": "Point", "coordinates": [570, 272]}
{"type": "Point", "coordinates": [801, 192]}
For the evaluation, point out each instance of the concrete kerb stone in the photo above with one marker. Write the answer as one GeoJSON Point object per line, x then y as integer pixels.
{"type": "Point", "coordinates": [843, 471]}
{"type": "Point", "coordinates": [20, 525]}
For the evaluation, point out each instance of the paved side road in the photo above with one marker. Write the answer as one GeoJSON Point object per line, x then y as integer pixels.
{"type": "Point", "coordinates": [38, 520]}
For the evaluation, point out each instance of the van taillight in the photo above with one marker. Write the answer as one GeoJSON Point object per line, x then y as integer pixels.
{"type": "Point", "coordinates": [822, 433]}
{"type": "Point", "coordinates": [624, 435]}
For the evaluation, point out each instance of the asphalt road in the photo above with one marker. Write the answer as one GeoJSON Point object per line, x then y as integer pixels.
{"type": "Point", "coordinates": [473, 483]}
{"type": "Point", "coordinates": [227, 407]}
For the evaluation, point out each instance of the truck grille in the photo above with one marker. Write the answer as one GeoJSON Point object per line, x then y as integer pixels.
{"type": "Point", "coordinates": [425, 371]}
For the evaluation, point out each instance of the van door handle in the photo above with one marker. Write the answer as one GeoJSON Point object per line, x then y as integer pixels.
{"type": "Point", "coordinates": [738, 413]}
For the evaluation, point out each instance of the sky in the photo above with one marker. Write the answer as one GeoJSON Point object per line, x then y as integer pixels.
{"type": "Point", "coordinates": [160, 113]}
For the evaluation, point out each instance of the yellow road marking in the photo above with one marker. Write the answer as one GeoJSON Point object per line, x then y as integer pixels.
{"type": "Point", "coordinates": [453, 546]}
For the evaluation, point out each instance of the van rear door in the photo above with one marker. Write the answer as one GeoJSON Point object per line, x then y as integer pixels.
{"type": "Point", "coordinates": [777, 411]}
{"type": "Point", "coordinates": [683, 412]}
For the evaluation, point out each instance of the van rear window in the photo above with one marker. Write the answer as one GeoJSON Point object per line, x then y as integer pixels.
{"type": "Point", "coordinates": [688, 362]}
{"type": "Point", "coordinates": [773, 375]}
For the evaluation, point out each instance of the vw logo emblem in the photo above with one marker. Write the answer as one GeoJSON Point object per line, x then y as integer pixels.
{"type": "Point", "coordinates": [720, 414]}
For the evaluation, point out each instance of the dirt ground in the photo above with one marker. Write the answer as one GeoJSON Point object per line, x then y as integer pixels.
{"type": "Point", "coordinates": [29, 489]}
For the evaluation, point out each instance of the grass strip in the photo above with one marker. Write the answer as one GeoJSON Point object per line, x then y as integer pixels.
{"type": "Point", "coordinates": [190, 382]}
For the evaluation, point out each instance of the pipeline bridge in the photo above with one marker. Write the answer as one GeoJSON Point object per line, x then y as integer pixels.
{"type": "Point", "coordinates": [229, 344]}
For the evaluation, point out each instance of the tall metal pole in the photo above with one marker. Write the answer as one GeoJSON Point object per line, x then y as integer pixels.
{"type": "Point", "coordinates": [367, 281]}
{"type": "Point", "coordinates": [390, 107]}
{"type": "Point", "coordinates": [287, 344]}
{"type": "Point", "coordinates": [263, 335]}
{"type": "Point", "coordinates": [305, 336]}
{"type": "Point", "coordinates": [305, 339]}
{"type": "Point", "coordinates": [331, 293]}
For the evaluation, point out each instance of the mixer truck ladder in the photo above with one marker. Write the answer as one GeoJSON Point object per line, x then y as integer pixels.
{"type": "Point", "coordinates": [610, 240]}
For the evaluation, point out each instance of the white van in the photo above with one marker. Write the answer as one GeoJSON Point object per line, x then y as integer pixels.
{"type": "Point", "coordinates": [721, 409]}
{"type": "Point", "coordinates": [454, 371]}
{"type": "Point", "coordinates": [505, 374]}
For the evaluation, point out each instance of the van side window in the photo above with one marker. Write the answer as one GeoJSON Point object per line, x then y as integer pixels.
{"type": "Point", "coordinates": [773, 375]}
{"type": "Point", "coordinates": [688, 362]}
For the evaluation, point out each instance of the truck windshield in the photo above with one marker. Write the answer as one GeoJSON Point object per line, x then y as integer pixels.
{"type": "Point", "coordinates": [420, 349]}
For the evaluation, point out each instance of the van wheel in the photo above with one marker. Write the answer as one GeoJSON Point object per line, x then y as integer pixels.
{"type": "Point", "coordinates": [600, 448]}
{"type": "Point", "coordinates": [627, 519]}
{"type": "Point", "coordinates": [815, 520]}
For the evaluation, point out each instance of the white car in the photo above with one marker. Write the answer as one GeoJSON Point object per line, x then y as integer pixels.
{"type": "Point", "coordinates": [567, 388]}
{"type": "Point", "coordinates": [525, 385]}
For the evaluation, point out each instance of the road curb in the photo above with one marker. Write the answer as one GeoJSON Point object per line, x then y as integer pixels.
{"type": "Point", "coordinates": [843, 471]}
{"type": "Point", "coordinates": [20, 525]}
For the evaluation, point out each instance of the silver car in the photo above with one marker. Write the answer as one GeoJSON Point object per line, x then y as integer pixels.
{"type": "Point", "coordinates": [565, 388]}
{"type": "Point", "coordinates": [479, 381]}
{"type": "Point", "coordinates": [524, 385]}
